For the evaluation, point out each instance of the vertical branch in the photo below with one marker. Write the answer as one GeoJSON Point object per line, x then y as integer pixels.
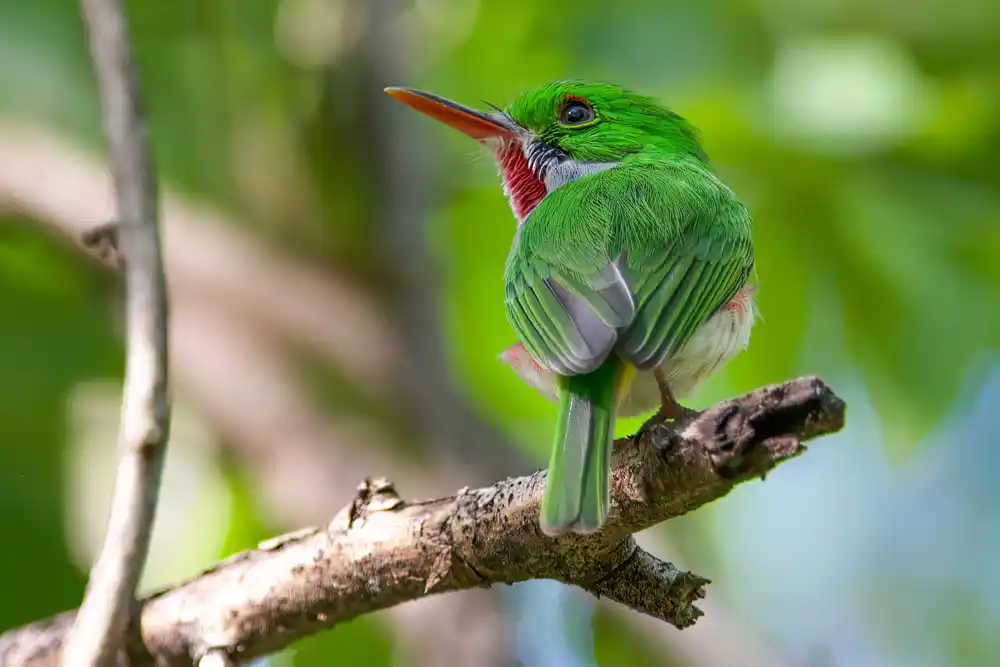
{"type": "Point", "coordinates": [100, 626]}
{"type": "Point", "coordinates": [400, 168]}
{"type": "Point", "coordinates": [403, 168]}
{"type": "Point", "coordinates": [470, 628]}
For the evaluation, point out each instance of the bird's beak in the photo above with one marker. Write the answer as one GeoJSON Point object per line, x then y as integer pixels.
{"type": "Point", "coordinates": [476, 124]}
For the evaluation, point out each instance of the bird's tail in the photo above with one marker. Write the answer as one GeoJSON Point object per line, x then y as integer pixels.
{"type": "Point", "coordinates": [577, 491]}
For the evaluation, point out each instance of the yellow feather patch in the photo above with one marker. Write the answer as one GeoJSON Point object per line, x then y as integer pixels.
{"type": "Point", "coordinates": [625, 377]}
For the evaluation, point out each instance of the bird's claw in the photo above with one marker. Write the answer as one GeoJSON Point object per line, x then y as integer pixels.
{"type": "Point", "coordinates": [670, 410]}
{"type": "Point", "coordinates": [677, 413]}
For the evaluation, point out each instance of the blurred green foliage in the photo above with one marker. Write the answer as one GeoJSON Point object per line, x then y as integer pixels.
{"type": "Point", "coordinates": [51, 300]}
{"type": "Point", "coordinates": [862, 135]}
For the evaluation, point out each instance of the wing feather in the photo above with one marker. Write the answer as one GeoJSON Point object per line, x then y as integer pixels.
{"type": "Point", "coordinates": [632, 260]}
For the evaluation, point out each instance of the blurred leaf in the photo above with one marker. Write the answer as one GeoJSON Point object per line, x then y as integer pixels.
{"type": "Point", "coordinates": [50, 301]}
{"type": "Point", "coordinates": [617, 644]}
{"type": "Point", "coordinates": [910, 313]}
{"type": "Point", "coordinates": [362, 641]}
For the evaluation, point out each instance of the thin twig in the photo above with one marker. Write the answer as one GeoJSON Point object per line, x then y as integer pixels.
{"type": "Point", "coordinates": [100, 626]}
{"type": "Point", "coordinates": [381, 551]}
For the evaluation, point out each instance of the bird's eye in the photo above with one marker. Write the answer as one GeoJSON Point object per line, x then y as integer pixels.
{"type": "Point", "coordinates": [576, 112]}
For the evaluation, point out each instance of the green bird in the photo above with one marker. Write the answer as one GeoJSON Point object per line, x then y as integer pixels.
{"type": "Point", "coordinates": [628, 279]}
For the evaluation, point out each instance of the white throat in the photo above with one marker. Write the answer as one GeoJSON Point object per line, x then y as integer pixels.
{"type": "Point", "coordinates": [571, 170]}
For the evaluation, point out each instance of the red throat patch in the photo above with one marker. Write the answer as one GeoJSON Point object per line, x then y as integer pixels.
{"type": "Point", "coordinates": [524, 187]}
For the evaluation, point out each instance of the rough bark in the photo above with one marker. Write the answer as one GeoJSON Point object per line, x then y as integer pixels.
{"type": "Point", "coordinates": [381, 551]}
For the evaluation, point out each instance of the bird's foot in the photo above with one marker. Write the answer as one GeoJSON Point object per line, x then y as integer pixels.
{"type": "Point", "coordinates": [670, 410]}
{"type": "Point", "coordinates": [677, 413]}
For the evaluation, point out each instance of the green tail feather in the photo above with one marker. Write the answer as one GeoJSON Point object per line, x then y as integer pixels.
{"type": "Point", "coordinates": [577, 492]}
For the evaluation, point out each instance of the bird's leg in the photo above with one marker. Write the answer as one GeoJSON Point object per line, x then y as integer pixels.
{"type": "Point", "coordinates": [670, 409]}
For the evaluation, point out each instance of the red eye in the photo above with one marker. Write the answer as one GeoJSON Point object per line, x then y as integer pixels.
{"type": "Point", "coordinates": [576, 111]}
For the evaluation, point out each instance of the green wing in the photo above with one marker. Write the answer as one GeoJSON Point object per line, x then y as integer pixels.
{"type": "Point", "coordinates": [632, 259]}
{"type": "Point", "coordinates": [566, 312]}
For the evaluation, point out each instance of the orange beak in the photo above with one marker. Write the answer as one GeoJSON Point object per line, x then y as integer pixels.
{"type": "Point", "coordinates": [476, 124]}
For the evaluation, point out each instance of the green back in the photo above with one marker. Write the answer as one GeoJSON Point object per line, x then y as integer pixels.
{"type": "Point", "coordinates": [633, 258]}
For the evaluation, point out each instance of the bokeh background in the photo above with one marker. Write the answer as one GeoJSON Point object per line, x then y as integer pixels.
{"type": "Point", "coordinates": [335, 262]}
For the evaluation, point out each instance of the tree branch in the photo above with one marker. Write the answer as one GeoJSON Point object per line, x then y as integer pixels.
{"type": "Point", "coordinates": [230, 310]}
{"type": "Point", "coordinates": [100, 627]}
{"type": "Point", "coordinates": [381, 551]}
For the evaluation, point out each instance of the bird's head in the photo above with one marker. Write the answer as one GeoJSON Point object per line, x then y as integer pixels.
{"type": "Point", "coordinates": [562, 131]}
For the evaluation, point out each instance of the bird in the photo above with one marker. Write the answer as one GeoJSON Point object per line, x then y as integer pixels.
{"type": "Point", "coordinates": [629, 278]}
